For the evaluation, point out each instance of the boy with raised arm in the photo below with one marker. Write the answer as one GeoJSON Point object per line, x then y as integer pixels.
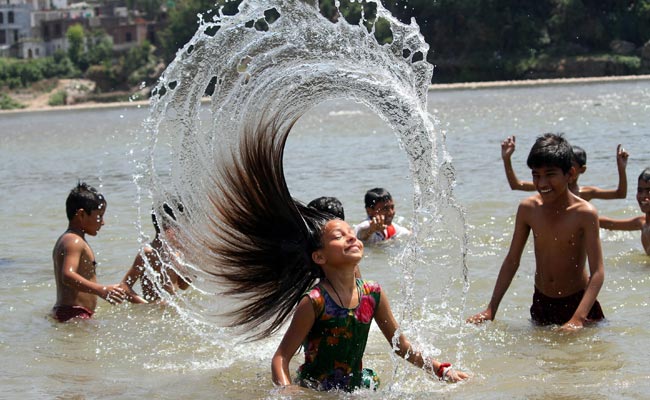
{"type": "Point", "coordinates": [74, 261]}
{"type": "Point", "coordinates": [580, 163]}
{"type": "Point", "coordinates": [565, 233]}
{"type": "Point", "coordinates": [641, 222]}
{"type": "Point", "coordinates": [379, 226]}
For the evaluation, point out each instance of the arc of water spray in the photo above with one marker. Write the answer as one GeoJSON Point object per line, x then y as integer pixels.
{"type": "Point", "coordinates": [301, 60]}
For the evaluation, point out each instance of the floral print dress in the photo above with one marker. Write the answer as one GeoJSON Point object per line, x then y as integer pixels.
{"type": "Point", "coordinates": [335, 344]}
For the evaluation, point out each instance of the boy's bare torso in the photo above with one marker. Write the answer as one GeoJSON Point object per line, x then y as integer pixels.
{"type": "Point", "coordinates": [70, 243]}
{"type": "Point", "coordinates": [560, 252]}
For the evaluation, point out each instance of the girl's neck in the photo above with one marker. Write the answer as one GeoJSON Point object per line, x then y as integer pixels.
{"type": "Point", "coordinates": [344, 289]}
{"type": "Point", "coordinates": [340, 276]}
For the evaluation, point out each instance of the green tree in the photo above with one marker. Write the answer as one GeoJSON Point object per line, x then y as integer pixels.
{"type": "Point", "coordinates": [100, 50]}
{"type": "Point", "coordinates": [183, 22]}
{"type": "Point", "coordinates": [76, 41]}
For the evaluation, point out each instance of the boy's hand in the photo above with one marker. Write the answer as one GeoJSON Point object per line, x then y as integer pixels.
{"type": "Point", "coordinates": [621, 157]}
{"type": "Point", "coordinates": [376, 224]}
{"type": "Point", "coordinates": [572, 325]}
{"type": "Point", "coordinates": [480, 317]}
{"type": "Point", "coordinates": [508, 147]}
{"type": "Point", "coordinates": [113, 294]}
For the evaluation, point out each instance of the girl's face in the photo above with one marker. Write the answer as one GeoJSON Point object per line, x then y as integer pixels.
{"type": "Point", "coordinates": [340, 245]}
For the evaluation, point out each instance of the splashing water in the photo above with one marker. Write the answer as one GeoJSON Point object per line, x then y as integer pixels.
{"type": "Point", "coordinates": [282, 57]}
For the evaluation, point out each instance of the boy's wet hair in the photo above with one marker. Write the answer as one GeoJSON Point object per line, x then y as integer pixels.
{"type": "Point", "coordinates": [376, 195]}
{"type": "Point", "coordinates": [580, 156]}
{"type": "Point", "coordinates": [645, 175]}
{"type": "Point", "coordinates": [83, 196]}
{"type": "Point", "coordinates": [551, 150]}
{"type": "Point", "coordinates": [168, 211]}
{"type": "Point", "coordinates": [328, 205]}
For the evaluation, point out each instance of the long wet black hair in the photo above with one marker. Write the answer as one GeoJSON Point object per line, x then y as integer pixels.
{"type": "Point", "coordinates": [264, 237]}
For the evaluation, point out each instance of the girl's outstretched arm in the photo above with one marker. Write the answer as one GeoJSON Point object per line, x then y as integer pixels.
{"type": "Point", "coordinates": [388, 325]}
{"type": "Point", "coordinates": [303, 320]}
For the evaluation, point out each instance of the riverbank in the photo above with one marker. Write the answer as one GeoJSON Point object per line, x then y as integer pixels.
{"type": "Point", "coordinates": [40, 104]}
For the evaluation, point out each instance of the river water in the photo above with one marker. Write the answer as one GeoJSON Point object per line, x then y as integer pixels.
{"type": "Point", "coordinates": [341, 149]}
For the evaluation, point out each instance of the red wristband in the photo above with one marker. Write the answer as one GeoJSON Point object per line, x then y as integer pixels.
{"type": "Point", "coordinates": [441, 369]}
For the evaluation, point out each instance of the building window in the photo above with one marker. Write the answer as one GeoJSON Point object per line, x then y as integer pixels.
{"type": "Point", "coordinates": [128, 37]}
{"type": "Point", "coordinates": [2, 18]}
{"type": "Point", "coordinates": [3, 36]}
{"type": "Point", "coordinates": [38, 52]}
{"type": "Point", "coordinates": [10, 17]}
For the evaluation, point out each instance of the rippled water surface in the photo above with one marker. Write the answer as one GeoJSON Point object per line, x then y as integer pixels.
{"type": "Point", "coordinates": [341, 149]}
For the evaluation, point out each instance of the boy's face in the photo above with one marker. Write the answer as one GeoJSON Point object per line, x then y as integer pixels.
{"type": "Point", "coordinates": [551, 182]}
{"type": "Point", "coordinates": [92, 223]}
{"type": "Point", "coordinates": [643, 195]}
{"type": "Point", "coordinates": [383, 208]}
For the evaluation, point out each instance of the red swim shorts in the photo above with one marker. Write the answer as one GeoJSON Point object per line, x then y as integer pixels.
{"type": "Point", "coordinates": [64, 313]}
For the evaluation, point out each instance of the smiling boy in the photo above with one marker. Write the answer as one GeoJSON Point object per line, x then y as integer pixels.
{"type": "Point", "coordinates": [74, 261]}
{"type": "Point", "coordinates": [566, 235]}
{"type": "Point", "coordinates": [379, 226]}
{"type": "Point", "coordinates": [580, 163]}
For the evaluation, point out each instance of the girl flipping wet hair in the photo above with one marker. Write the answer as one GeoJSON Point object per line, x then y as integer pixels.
{"type": "Point", "coordinates": [282, 257]}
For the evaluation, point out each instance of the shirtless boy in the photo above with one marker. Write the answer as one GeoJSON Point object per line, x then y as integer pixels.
{"type": "Point", "coordinates": [379, 226]}
{"type": "Point", "coordinates": [580, 164]}
{"type": "Point", "coordinates": [565, 232]}
{"type": "Point", "coordinates": [159, 256]}
{"type": "Point", "coordinates": [641, 222]}
{"type": "Point", "coordinates": [74, 261]}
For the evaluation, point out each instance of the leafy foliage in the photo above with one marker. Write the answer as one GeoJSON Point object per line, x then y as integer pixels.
{"type": "Point", "coordinates": [16, 73]}
{"type": "Point", "coordinates": [7, 103]}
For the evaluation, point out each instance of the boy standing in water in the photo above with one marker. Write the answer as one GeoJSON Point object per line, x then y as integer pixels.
{"type": "Point", "coordinates": [642, 222]}
{"type": "Point", "coordinates": [580, 163]}
{"type": "Point", "coordinates": [379, 226]}
{"type": "Point", "coordinates": [74, 261]}
{"type": "Point", "coordinates": [565, 232]}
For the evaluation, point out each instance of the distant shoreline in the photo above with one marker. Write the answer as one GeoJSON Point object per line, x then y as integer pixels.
{"type": "Point", "coordinates": [537, 82]}
{"type": "Point", "coordinates": [433, 87]}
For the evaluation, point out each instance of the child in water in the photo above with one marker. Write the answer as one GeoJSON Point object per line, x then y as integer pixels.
{"type": "Point", "coordinates": [379, 225]}
{"type": "Point", "coordinates": [291, 259]}
{"type": "Point", "coordinates": [565, 233]}
{"type": "Point", "coordinates": [330, 205]}
{"type": "Point", "coordinates": [158, 256]}
{"type": "Point", "coordinates": [638, 223]}
{"type": "Point", "coordinates": [74, 261]}
{"type": "Point", "coordinates": [580, 164]}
